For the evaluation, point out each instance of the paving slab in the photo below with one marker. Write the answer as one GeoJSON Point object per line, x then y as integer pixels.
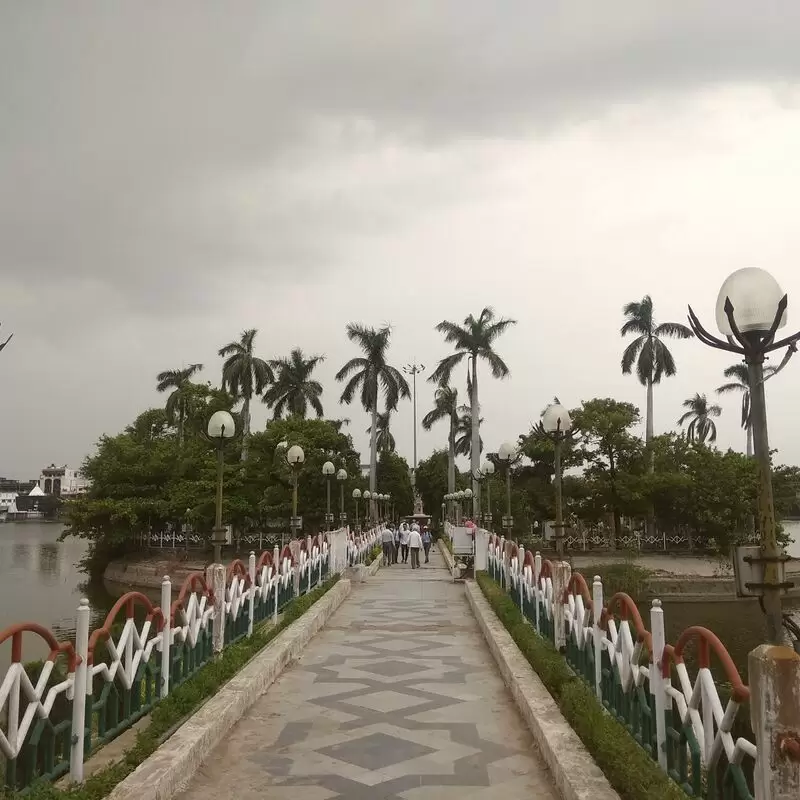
{"type": "Point", "coordinates": [398, 697]}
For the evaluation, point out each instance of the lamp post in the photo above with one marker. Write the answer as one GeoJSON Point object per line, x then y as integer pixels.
{"type": "Point", "coordinates": [751, 307]}
{"type": "Point", "coordinates": [557, 424]}
{"type": "Point", "coordinates": [413, 370]}
{"type": "Point", "coordinates": [460, 495]}
{"type": "Point", "coordinates": [341, 476]}
{"type": "Point", "coordinates": [468, 498]}
{"type": "Point", "coordinates": [507, 453]}
{"type": "Point", "coordinates": [356, 497]}
{"type": "Point", "coordinates": [367, 495]}
{"type": "Point", "coordinates": [480, 475]}
{"type": "Point", "coordinates": [295, 458]}
{"type": "Point", "coordinates": [220, 428]}
{"type": "Point", "coordinates": [327, 470]}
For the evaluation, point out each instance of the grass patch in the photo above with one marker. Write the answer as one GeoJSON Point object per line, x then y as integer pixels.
{"type": "Point", "coordinates": [623, 576]}
{"type": "Point", "coordinates": [178, 705]}
{"type": "Point", "coordinates": [628, 768]}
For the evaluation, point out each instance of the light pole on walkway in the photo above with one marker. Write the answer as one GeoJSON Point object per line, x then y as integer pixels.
{"type": "Point", "coordinates": [356, 497]}
{"type": "Point", "coordinates": [557, 425]}
{"type": "Point", "coordinates": [295, 458]}
{"type": "Point", "coordinates": [507, 453]}
{"type": "Point", "coordinates": [751, 307]}
{"type": "Point", "coordinates": [413, 370]}
{"type": "Point", "coordinates": [341, 476]}
{"type": "Point", "coordinates": [220, 427]}
{"type": "Point", "coordinates": [480, 475]}
{"type": "Point", "coordinates": [327, 470]}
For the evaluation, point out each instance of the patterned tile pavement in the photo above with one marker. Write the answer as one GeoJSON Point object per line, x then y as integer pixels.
{"type": "Point", "coordinates": [398, 697]}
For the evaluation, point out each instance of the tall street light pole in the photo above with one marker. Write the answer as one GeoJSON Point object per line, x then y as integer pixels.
{"type": "Point", "coordinates": [557, 425]}
{"type": "Point", "coordinates": [751, 307]}
{"type": "Point", "coordinates": [220, 428]}
{"type": "Point", "coordinates": [507, 453]}
{"type": "Point", "coordinates": [341, 476]}
{"type": "Point", "coordinates": [295, 458]}
{"type": "Point", "coordinates": [413, 370]}
{"type": "Point", "coordinates": [356, 497]}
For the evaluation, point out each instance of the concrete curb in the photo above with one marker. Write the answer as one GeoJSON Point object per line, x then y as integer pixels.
{"type": "Point", "coordinates": [172, 766]}
{"type": "Point", "coordinates": [375, 566]}
{"type": "Point", "coordinates": [575, 773]}
{"type": "Point", "coordinates": [447, 556]}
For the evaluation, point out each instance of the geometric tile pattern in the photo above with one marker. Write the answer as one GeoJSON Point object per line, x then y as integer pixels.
{"type": "Point", "coordinates": [397, 697]}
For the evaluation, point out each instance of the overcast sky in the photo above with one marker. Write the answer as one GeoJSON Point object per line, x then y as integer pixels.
{"type": "Point", "coordinates": [173, 173]}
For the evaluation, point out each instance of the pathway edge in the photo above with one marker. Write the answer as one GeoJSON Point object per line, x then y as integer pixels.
{"type": "Point", "coordinates": [576, 775]}
{"type": "Point", "coordinates": [169, 770]}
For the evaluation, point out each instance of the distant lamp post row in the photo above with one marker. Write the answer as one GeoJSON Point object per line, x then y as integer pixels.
{"type": "Point", "coordinates": [750, 309]}
{"type": "Point", "coordinates": [329, 469]}
{"type": "Point", "coordinates": [458, 499]}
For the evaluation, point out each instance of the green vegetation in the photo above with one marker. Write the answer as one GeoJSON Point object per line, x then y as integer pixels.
{"type": "Point", "coordinates": [177, 706]}
{"type": "Point", "coordinates": [628, 768]}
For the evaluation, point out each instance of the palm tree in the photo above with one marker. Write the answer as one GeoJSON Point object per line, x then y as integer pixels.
{"type": "Point", "coordinates": [446, 407]}
{"type": "Point", "coordinates": [384, 439]}
{"type": "Point", "coordinates": [742, 384]}
{"type": "Point", "coordinates": [699, 416]}
{"type": "Point", "coordinates": [244, 375]}
{"type": "Point", "coordinates": [178, 380]}
{"type": "Point", "coordinates": [473, 340]}
{"type": "Point", "coordinates": [3, 344]}
{"type": "Point", "coordinates": [652, 358]}
{"type": "Point", "coordinates": [294, 390]}
{"type": "Point", "coordinates": [372, 375]}
{"type": "Point", "coordinates": [464, 433]}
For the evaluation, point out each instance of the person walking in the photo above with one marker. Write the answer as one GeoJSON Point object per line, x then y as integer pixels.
{"type": "Point", "coordinates": [414, 545]}
{"type": "Point", "coordinates": [404, 534]}
{"type": "Point", "coordinates": [426, 543]}
{"type": "Point", "coordinates": [387, 540]}
{"type": "Point", "coordinates": [396, 544]}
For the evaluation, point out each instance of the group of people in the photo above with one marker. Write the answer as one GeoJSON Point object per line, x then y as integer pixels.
{"type": "Point", "coordinates": [403, 541]}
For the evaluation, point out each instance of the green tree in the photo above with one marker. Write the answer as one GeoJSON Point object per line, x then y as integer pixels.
{"type": "Point", "coordinates": [384, 439]}
{"type": "Point", "coordinates": [294, 390]}
{"type": "Point", "coordinates": [647, 351]}
{"type": "Point", "coordinates": [445, 407]}
{"type": "Point", "coordinates": [3, 344]}
{"type": "Point", "coordinates": [741, 383]}
{"type": "Point", "coordinates": [700, 418]}
{"type": "Point", "coordinates": [244, 375]}
{"type": "Point", "coordinates": [433, 481]}
{"type": "Point", "coordinates": [178, 380]}
{"type": "Point", "coordinates": [609, 448]}
{"type": "Point", "coordinates": [472, 340]}
{"type": "Point", "coordinates": [371, 374]}
{"type": "Point", "coordinates": [394, 479]}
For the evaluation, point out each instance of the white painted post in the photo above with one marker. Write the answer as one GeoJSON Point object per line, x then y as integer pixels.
{"type": "Point", "coordinates": [215, 578]}
{"type": "Point", "coordinates": [520, 562]}
{"type": "Point", "coordinates": [79, 693]}
{"type": "Point", "coordinates": [537, 571]}
{"type": "Point", "coordinates": [321, 557]}
{"type": "Point", "coordinates": [251, 568]}
{"type": "Point", "coordinates": [657, 683]}
{"type": "Point", "coordinates": [503, 573]}
{"type": "Point", "coordinates": [774, 675]}
{"type": "Point", "coordinates": [560, 583]}
{"type": "Point", "coordinates": [166, 635]}
{"type": "Point", "coordinates": [597, 634]}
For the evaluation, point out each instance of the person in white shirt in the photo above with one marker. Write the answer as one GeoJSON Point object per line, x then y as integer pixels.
{"type": "Point", "coordinates": [404, 533]}
{"type": "Point", "coordinates": [387, 540]}
{"type": "Point", "coordinates": [414, 545]}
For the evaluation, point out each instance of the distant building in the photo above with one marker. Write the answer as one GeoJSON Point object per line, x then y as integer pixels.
{"type": "Point", "coordinates": [10, 489]}
{"type": "Point", "coordinates": [62, 481]}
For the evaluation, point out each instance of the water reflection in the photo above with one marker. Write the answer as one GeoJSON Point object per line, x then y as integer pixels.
{"type": "Point", "coordinates": [40, 582]}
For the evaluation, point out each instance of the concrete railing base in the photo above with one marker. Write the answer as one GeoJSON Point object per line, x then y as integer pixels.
{"type": "Point", "coordinates": [172, 766]}
{"type": "Point", "coordinates": [575, 773]}
{"type": "Point", "coordinates": [447, 556]}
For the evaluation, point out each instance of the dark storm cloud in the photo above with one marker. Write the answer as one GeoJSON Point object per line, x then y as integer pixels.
{"type": "Point", "coordinates": [120, 120]}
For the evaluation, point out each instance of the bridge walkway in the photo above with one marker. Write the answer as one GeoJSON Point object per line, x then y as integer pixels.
{"type": "Point", "coordinates": [397, 697]}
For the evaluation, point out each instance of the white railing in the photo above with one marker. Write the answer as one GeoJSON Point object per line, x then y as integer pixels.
{"type": "Point", "coordinates": [92, 688]}
{"type": "Point", "coordinates": [641, 679]}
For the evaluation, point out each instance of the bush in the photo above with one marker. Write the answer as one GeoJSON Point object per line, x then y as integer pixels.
{"type": "Point", "coordinates": [170, 713]}
{"type": "Point", "coordinates": [623, 576]}
{"type": "Point", "coordinates": [628, 768]}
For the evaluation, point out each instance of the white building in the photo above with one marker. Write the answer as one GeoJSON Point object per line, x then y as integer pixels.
{"type": "Point", "coordinates": [62, 481]}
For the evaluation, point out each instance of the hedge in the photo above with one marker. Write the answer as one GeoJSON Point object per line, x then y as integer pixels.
{"type": "Point", "coordinates": [170, 713]}
{"type": "Point", "coordinates": [628, 768]}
